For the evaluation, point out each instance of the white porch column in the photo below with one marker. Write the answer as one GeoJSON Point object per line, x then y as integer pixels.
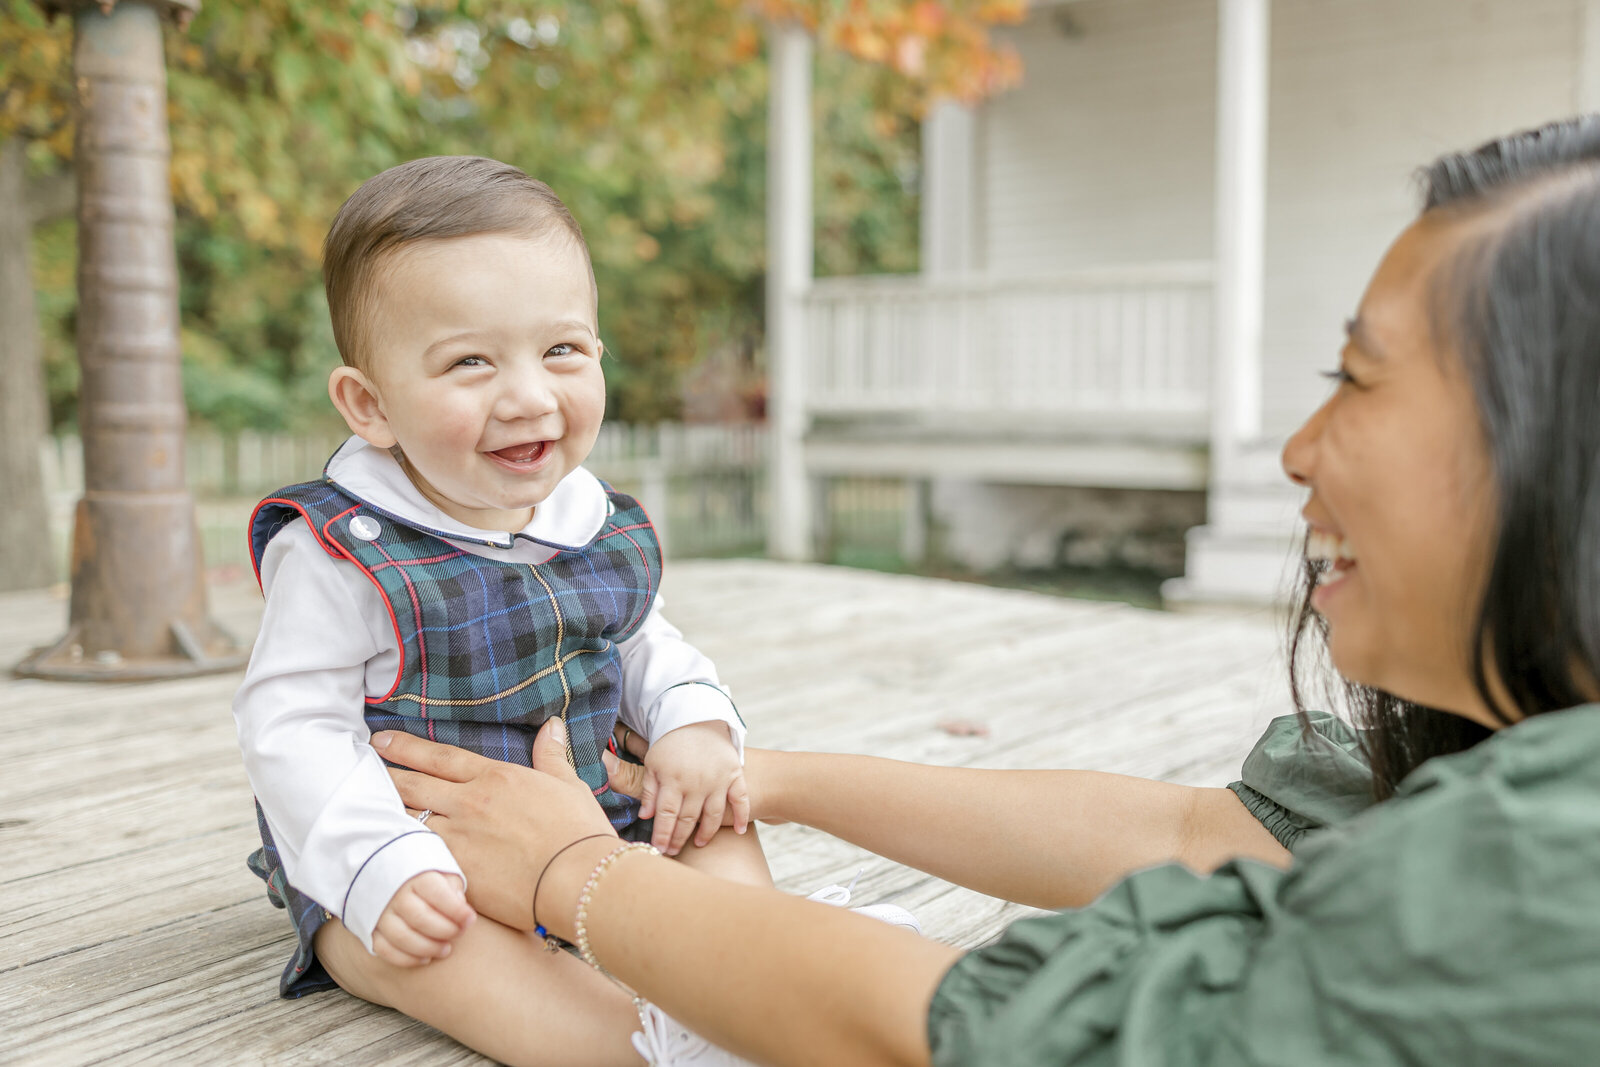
{"type": "Point", "coordinates": [1243, 43]}
{"type": "Point", "coordinates": [949, 190]}
{"type": "Point", "coordinates": [1238, 557]}
{"type": "Point", "coordinates": [789, 271]}
{"type": "Point", "coordinates": [1588, 85]}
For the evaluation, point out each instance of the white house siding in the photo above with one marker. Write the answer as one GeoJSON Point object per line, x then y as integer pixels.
{"type": "Point", "coordinates": [1104, 155]}
{"type": "Point", "coordinates": [1362, 93]}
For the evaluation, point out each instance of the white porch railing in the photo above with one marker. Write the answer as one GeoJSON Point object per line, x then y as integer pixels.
{"type": "Point", "coordinates": [1115, 342]}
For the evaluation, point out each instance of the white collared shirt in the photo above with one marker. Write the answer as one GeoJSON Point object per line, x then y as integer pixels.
{"type": "Point", "coordinates": [326, 644]}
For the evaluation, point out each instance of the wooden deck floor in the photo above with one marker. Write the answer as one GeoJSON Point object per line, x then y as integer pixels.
{"type": "Point", "coordinates": [130, 931]}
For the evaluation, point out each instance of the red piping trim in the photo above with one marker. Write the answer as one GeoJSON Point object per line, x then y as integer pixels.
{"type": "Point", "coordinates": [255, 564]}
{"type": "Point", "coordinates": [422, 648]}
{"type": "Point", "coordinates": [399, 641]}
{"type": "Point", "coordinates": [623, 530]}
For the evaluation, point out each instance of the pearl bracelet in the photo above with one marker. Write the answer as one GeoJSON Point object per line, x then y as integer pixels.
{"type": "Point", "coordinates": [582, 930]}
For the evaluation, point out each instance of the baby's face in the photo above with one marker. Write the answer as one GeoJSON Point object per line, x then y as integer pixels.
{"type": "Point", "coordinates": [486, 368]}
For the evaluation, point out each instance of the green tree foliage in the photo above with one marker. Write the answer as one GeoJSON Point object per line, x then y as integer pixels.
{"type": "Point", "coordinates": [647, 117]}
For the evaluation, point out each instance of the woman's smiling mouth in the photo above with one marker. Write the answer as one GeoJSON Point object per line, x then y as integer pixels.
{"type": "Point", "coordinates": [1335, 557]}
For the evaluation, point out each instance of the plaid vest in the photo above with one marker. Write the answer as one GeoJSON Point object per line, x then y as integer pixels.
{"type": "Point", "coordinates": [490, 650]}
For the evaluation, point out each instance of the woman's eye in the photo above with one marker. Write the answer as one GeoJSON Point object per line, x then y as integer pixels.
{"type": "Point", "coordinates": [1339, 375]}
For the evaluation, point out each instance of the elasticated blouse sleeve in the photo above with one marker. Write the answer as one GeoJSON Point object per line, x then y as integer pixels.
{"type": "Point", "coordinates": [1456, 925]}
{"type": "Point", "coordinates": [1302, 777]}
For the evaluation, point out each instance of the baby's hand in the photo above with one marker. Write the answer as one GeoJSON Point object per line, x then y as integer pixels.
{"type": "Point", "coordinates": [423, 917]}
{"type": "Point", "coordinates": [692, 774]}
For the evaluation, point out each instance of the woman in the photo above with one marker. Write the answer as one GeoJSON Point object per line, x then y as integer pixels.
{"type": "Point", "coordinates": [1426, 890]}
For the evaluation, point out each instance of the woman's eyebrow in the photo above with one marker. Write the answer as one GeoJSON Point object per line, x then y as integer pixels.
{"type": "Point", "coordinates": [1360, 336]}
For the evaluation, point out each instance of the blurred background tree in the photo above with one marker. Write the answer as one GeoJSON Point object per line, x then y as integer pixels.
{"type": "Point", "coordinates": [647, 117]}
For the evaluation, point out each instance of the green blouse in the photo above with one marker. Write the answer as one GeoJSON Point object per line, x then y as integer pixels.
{"type": "Point", "coordinates": [1456, 924]}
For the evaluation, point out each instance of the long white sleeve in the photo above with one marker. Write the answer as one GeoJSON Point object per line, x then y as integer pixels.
{"type": "Point", "coordinates": [340, 827]}
{"type": "Point", "coordinates": [668, 683]}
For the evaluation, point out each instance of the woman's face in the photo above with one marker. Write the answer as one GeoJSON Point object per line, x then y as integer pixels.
{"type": "Point", "coordinates": [1401, 496]}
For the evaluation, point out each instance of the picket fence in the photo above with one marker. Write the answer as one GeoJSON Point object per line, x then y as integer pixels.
{"type": "Point", "coordinates": [704, 485]}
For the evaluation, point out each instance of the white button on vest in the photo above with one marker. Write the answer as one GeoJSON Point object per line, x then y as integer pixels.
{"type": "Point", "coordinates": [365, 528]}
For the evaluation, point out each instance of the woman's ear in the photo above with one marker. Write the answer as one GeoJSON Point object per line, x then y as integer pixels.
{"type": "Point", "coordinates": [358, 401]}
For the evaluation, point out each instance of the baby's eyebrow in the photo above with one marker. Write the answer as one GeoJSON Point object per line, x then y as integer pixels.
{"type": "Point", "coordinates": [573, 324]}
{"type": "Point", "coordinates": [464, 335]}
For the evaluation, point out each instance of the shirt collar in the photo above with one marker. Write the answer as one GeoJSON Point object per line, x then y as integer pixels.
{"type": "Point", "coordinates": [569, 518]}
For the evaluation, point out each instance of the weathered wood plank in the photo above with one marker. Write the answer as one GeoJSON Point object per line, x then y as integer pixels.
{"type": "Point", "coordinates": [130, 931]}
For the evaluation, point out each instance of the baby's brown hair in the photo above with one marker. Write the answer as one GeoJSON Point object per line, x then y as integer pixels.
{"type": "Point", "coordinates": [426, 199]}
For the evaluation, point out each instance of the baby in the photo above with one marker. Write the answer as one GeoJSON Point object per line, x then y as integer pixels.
{"type": "Point", "coordinates": [458, 574]}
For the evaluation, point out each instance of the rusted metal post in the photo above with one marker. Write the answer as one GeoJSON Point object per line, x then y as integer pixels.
{"type": "Point", "coordinates": [138, 586]}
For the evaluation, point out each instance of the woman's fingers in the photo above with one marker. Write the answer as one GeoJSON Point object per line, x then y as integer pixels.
{"type": "Point", "coordinates": [623, 777]}
{"type": "Point", "coordinates": [550, 753]}
{"type": "Point", "coordinates": [441, 761]}
{"type": "Point", "coordinates": [419, 791]}
{"type": "Point", "coordinates": [630, 740]}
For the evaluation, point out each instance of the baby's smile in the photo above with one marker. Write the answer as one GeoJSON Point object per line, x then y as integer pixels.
{"type": "Point", "coordinates": [527, 456]}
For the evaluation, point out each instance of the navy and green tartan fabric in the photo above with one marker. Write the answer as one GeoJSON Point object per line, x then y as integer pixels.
{"type": "Point", "coordinates": [489, 650]}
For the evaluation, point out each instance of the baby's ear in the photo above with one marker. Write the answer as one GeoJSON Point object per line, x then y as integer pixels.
{"type": "Point", "coordinates": [357, 400]}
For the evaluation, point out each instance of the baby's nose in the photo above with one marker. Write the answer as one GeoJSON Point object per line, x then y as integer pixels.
{"type": "Point", "coordinates": [526, 394]}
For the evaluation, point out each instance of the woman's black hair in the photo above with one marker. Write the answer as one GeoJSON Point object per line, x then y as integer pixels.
{"type": "Point", "coordinates": [1520, 307]}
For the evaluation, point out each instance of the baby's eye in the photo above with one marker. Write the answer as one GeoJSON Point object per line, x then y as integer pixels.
{"type": "Point", "coordinates": [562, 349]}
{"type": "Point", "coordinates": [471, 361]}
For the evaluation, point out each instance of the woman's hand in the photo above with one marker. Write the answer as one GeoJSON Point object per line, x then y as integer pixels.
{"type": "Point", "coordinates": [503, 822]}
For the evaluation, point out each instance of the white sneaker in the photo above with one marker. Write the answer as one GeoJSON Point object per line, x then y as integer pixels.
{"type": "Point", "coordinates": [893, 914]}
{"type": "Point", "coordinates": [665, 1042]}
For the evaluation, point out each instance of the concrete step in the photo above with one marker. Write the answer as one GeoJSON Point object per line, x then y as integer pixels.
{"type": "Point", "coordinates": [1233, 566]}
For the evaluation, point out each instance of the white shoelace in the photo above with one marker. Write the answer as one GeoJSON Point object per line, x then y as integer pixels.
{"type": "Point", "coordinates": [893, 914]}
{"type": "Point", "coordinates": [663, 1041]}
{"type": "Point", "coordinates": [837, 895]}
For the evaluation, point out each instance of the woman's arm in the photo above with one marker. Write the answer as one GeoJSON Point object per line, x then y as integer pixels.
{"type": "Point", "coordinates": [772, 977]}
{"type": "Point", "coordinates": [1052, 839]}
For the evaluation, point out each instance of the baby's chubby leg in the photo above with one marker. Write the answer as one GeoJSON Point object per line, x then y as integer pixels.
{"type": "Point", "coordinates": [499, 992]}
{"type": "Point", "coordinates": [731, 857]}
